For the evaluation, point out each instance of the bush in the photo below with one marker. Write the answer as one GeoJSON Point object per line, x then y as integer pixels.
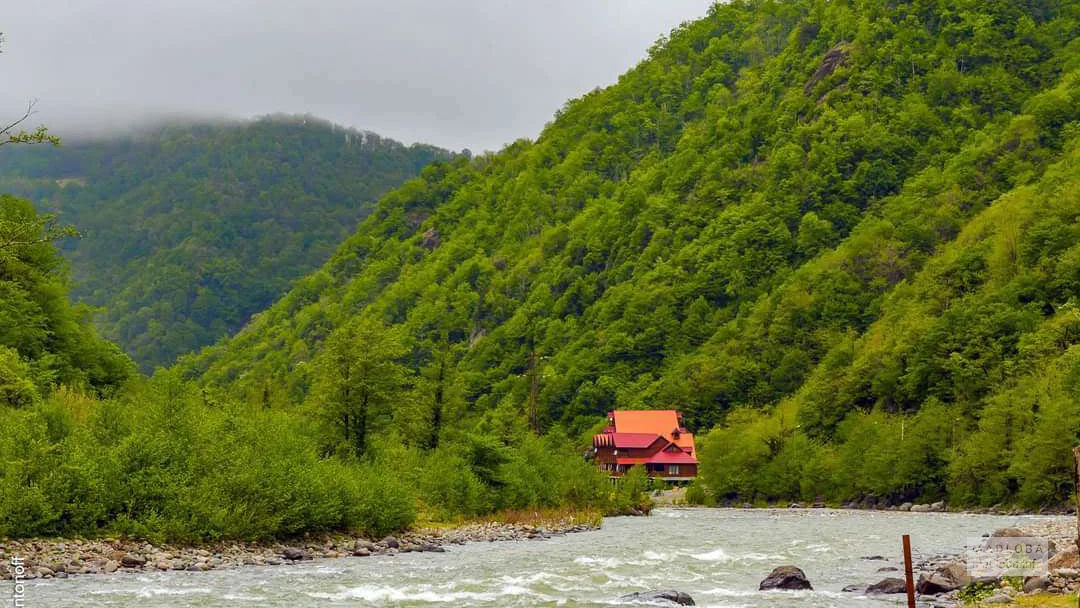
{"type": "Point", "coordinates": [698, 494]}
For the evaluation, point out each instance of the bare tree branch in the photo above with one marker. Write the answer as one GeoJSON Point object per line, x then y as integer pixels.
{"type": "Point", "coordinates": [40, 135]}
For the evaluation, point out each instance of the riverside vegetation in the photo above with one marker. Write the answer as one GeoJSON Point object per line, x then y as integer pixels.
{"type": "Point", "coordinates": [843, 235]}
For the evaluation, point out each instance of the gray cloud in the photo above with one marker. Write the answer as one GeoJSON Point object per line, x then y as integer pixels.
{"type": "Point", "coordinates": [468, 73]}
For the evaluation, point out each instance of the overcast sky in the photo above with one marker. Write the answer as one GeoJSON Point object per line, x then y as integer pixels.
{"type": "Point", "coordinates": [459, 73]}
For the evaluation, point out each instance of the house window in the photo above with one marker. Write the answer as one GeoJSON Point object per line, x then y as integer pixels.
{"type": "Point", "coordinates": [673, 469]}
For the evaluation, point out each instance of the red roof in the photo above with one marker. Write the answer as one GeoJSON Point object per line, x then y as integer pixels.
{"type": "Point", "coordinates": [626, 440]}
{"type": "Point", "coordinates": [660, 458]}
{"type": "Point", "coordinates": [665, 457]}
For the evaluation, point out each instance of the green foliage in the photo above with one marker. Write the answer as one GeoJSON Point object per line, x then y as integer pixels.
{"type": "Point", "coordinates": [817, 223]}
{"type": "Point", "coordinates": [44, 340]}
{"type": "Point", "coordinates": [699, 495]}
{"type": "Point", "coordinates": [976, 592]}
{"type": "Point", "coordinates": [632, 493]}
{"type": "Point", "coordinates": [843, 237]}
{"type": "Point", "coordinates": [190, 229]}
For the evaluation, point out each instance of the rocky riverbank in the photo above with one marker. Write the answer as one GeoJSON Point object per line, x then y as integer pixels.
{"type": "Point", "coordinates": [943, 580]}
{"type": "Point", "coordinates": [62, 558]}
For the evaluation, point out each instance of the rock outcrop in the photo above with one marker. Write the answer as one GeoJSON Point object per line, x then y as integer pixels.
{"type": "Point", "coordinates": [661, 595]}
{"type": "Point", "coordinates": [947, 578]}
{"type": "Point", "coordinates": [785, 577]}
{"type": "Point", "coordinates": [888, 586]}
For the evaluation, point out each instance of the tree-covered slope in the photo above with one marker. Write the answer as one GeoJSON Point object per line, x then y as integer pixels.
{"type": "Point", "coordinates": [44, 339]}
{"type": "Point", "coordinates": [761, 224]}
{"type": "Point", "coordinates": [188, 229]}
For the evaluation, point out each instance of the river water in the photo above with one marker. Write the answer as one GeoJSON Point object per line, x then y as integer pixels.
{"type": "Point", "coordinates": [718, 556]}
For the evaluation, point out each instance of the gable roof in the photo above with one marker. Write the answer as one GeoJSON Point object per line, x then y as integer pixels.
{"type": "Point", "coordinates": [626, 440]}
{"type": "Point", "coordinates": [665, 423]}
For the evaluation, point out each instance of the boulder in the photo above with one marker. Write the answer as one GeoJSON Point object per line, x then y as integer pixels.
{"type": "Point", "coordinates": [999, 597]}
{"type": "Point", "coordinates": [874, 558]}
{"type": "Point", "coordinates": [391, 542]}
{"type": "Point", "coordinates": [1065, 558]}
{"type": "Point", "coordinates": [888, 585]}
{"type": "Point", "coordinates": [938, 507]}
{"type": "Point", "coordinates": [888, 569]}
{"type": "Point", "coordinates": [662, 595]}
{"type": "Point", "coordinates": [110, 567]}
{"type": "Point", "coordinates": [853, 589]}
{"type": "Point", "coordinates": [947, 578]}
{"type": "Point", "coordinates": [130, 560]}
{"type": "Point", "coordinates": [920, 508]}
{"type": "Point", "coordinates": [1035, 583]}
{"type": "Point", "coordinates": [785, 577]}
{"type": "Point", "coordinates": [906, 506]}
{"type": "Point", "coordinates": [1009, 539]}
{"type": "Point", "coordinates": [294, 554]}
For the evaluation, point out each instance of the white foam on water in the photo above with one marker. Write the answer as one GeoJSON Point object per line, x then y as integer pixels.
{"type": "Point", "coordinates": [381, 593]}
{"type": "Point", "coordinates": [607, 562]}
{"type": "Point", "coordinates": [240, 597]}
{"type": "Point", "coordinates": [160, 591]}
{"type": "Point", "coordinates": [657, 556]}
{"type": "Point", "coordinates": [716, 555]}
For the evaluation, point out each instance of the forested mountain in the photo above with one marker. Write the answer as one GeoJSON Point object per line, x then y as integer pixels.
{"type": "Point", "coordinates": [842, 236]}
{"type": "Point", "coordinates": [189, 229]}
{"type": "Point", "coordinates": [810, 224]}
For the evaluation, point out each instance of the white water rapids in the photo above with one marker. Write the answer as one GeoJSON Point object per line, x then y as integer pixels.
{"type": "Point", "coordinates": [718, 556]}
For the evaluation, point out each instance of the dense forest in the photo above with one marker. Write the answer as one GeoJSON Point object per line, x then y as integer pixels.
{"type": "Point", "coordinates": [842, 237]}
{"type": "Point", "coordinates": [188, 229]}
{"type": "Point", "coordinates": [809, 224]}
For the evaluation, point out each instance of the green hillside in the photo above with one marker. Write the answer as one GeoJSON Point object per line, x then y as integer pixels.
{"type": "Point", "coordinates": [189, 229]}
{"type": "Point", "coordinates": [842, 237]}
{"type": "Point", "coordinates": [787, 210]}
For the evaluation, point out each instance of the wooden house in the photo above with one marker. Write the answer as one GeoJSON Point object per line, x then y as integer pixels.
{"type": "Point", "coordinates": [654, 439]}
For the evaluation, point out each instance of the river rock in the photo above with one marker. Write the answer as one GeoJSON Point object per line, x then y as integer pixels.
{"type": "Point", "coordinates": [130, 560]}
{"type": "Point", "coordinates": [1035, 583]}
{"type": "Point", "coordinates": [888, 569]}
{"type": "Point", "coordinates": [293, 554]}
{"type": "Point", "coordinates": [1009, 539]}
{"type": "Point", "coordinates": [853, 589]}
{"type": "Point", "coordinates": [920, 508]}
{"type": "Point", "coordinates": [906, 506]}
{"type": "Point", "coordinates": [662, 595]}
{"type": "Point", "coordinates": [785, 577]}
{"type": "Point", "coordinates": [999, 597]}
{"type": "Point", "coordinates": [888, 585]}
{"type": "Point", "coordinates": [1065, 558]}
{"type": "Point", "coordinates": [947, 578]}
{"type": "Point", "coordinates": [938, 507]}
{"type": "Point", "coordinates": [391, 542]}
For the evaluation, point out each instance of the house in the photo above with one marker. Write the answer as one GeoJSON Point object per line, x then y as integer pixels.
{"type": "Point", "coordinates": [655, 439]}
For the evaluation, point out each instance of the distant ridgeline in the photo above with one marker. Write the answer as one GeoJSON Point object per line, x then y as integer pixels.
{"type": "Point", "coordinates": [845, 234]}
{"type": "Point", "coordinates": [189, 229]}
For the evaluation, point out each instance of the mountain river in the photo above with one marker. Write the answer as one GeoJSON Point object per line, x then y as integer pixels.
{"type": "Point", "coordinates": [718, 556]}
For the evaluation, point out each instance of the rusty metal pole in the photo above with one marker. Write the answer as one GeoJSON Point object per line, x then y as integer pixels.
{"type": "Point", "coordinates": [908, 574]}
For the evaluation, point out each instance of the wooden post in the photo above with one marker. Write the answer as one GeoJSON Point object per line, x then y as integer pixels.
{"type": "Point", "coordinates": [908, 573]}
{"type": "Point", "coordinates": [1076, 489]}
